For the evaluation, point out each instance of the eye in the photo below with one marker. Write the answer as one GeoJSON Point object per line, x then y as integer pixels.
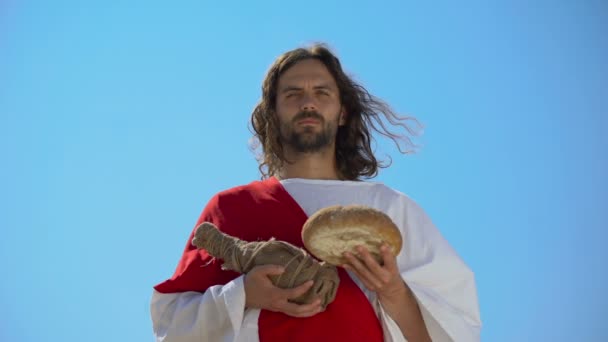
{"type": "Point", "coordinates": [323, 92]}
{"type": "Point", "coordinates": [293, 94]}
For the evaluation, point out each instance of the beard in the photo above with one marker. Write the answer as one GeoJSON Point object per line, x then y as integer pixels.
{"type": "Point", "coordinates": [307, 139]}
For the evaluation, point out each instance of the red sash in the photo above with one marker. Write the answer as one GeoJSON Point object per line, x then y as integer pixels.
{"type": "Point", "coordinates": [259, 211]}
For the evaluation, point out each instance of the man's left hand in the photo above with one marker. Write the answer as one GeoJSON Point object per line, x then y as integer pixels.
{"type": "Point", "coordinates": [385, 279]}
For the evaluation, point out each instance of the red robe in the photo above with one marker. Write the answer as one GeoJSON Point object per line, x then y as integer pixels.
{"type": "Point", "coordinates": [260, 211]}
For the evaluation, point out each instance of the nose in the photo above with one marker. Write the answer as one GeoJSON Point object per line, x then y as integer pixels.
{"type": "Point", "coordinates": [308, 103]}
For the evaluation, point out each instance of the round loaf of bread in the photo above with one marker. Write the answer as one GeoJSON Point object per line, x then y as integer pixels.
{"type": "Point", "coordinates": [331, 231]}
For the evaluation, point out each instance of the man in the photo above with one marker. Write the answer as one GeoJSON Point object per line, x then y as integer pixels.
{"type": "Point", "coordinates": [313, 124]}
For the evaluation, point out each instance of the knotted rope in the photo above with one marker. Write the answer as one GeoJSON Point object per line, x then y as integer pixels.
{"type": "Point", "coordinates": [241, 256]}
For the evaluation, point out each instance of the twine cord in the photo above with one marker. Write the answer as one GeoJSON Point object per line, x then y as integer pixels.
{"type": "Point", "coordinates": [242, 256]}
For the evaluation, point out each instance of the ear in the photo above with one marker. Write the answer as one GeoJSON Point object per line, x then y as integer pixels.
{"type": "Point", "coordinates": [342, 120]}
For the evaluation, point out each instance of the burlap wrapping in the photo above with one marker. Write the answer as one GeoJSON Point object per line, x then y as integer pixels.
{"type": "Point", "coordinates": [241, 256]}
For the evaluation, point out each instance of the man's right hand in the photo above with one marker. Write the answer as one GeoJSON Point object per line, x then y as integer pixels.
{"type": "Point", "coordinates": [261, 293]}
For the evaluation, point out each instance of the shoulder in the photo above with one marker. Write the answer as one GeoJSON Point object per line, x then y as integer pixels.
{"type": "Point", "coordinates": [239, 190]}
{"type": "Point", "coordinates": [400, 206]}
{"type": "Point", "coordinates": [238, 193]}
{"type": "Point", "coordinates": [232, 204]}
{"type": "Point", "coordinates": [391, 194]}
{"type": "Point", "coordinates": [253, 192]}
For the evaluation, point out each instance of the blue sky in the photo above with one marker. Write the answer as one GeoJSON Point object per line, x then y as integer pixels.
{"type": "Point", "coordinates": [119, 120]}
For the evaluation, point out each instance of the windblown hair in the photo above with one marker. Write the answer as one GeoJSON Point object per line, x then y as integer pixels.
{"type": "Point", "coordinates": [354, 154]}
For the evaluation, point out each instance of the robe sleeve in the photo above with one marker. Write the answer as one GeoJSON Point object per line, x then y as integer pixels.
{"type": "Point", "coordinates": [200, 302]}
{"type": "Point", "coordinates": [215, 315]}
{"type": "Point", "coordinates": [443, 284]}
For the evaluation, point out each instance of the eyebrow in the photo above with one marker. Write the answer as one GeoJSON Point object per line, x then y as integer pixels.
{"type": "Point", "coordinates": [324, 86]}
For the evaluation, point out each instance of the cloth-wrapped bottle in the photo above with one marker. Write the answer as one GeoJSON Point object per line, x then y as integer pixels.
{"type": "Point", "coordinates": [241, 256]}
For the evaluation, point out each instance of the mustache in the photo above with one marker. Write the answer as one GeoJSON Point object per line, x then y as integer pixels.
{"type": "Point", "coordinates": [308, 115]}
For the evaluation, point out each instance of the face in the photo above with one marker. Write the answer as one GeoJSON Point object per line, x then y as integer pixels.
{"type": "Point", "coordinates": [308, 107]}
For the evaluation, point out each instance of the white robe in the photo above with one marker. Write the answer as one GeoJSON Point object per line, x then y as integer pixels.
{"type": "Point", "coordinates": [443, 284]}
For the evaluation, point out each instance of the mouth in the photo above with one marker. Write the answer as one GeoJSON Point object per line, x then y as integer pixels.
{"type": "Point", "coordinates": [308, 121]}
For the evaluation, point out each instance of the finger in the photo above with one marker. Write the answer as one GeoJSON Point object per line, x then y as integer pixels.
{"type": "Point", "coordinates": [370, 262]}
{"type": "Point", "coordinates": [302, 310]}
{"type": "Point", "coordinates": [382, 273]}
{"type": "Point", "coordinates": [298, 290]}
{"type": "Point", "coordinates": [390, 260]}
{"type": "Point", "coordinates": [362, 272]}
{"type": "Point", "coordinates": [361, 278]}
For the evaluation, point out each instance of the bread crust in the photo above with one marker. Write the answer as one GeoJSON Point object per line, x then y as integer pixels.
{"type": "Point", "coordinates": [331, 231]}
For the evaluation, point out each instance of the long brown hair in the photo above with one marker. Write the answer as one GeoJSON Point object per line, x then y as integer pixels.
{"type": "Point", "coordinates": [354, 154]}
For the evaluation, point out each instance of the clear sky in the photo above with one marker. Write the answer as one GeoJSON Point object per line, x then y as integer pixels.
{"type": "Point", "coordinates": [120, 119]}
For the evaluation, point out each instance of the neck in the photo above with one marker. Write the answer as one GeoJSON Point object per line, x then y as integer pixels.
{"type": "Point", "coordinates": [315, 165]}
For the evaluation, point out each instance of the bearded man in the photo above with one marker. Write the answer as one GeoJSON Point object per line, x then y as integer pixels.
{"type": "Point", "coordinates": [314, 125]}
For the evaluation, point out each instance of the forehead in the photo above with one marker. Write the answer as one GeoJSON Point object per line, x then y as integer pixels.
{"type": "Point", "coordinates": [308, 70]}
